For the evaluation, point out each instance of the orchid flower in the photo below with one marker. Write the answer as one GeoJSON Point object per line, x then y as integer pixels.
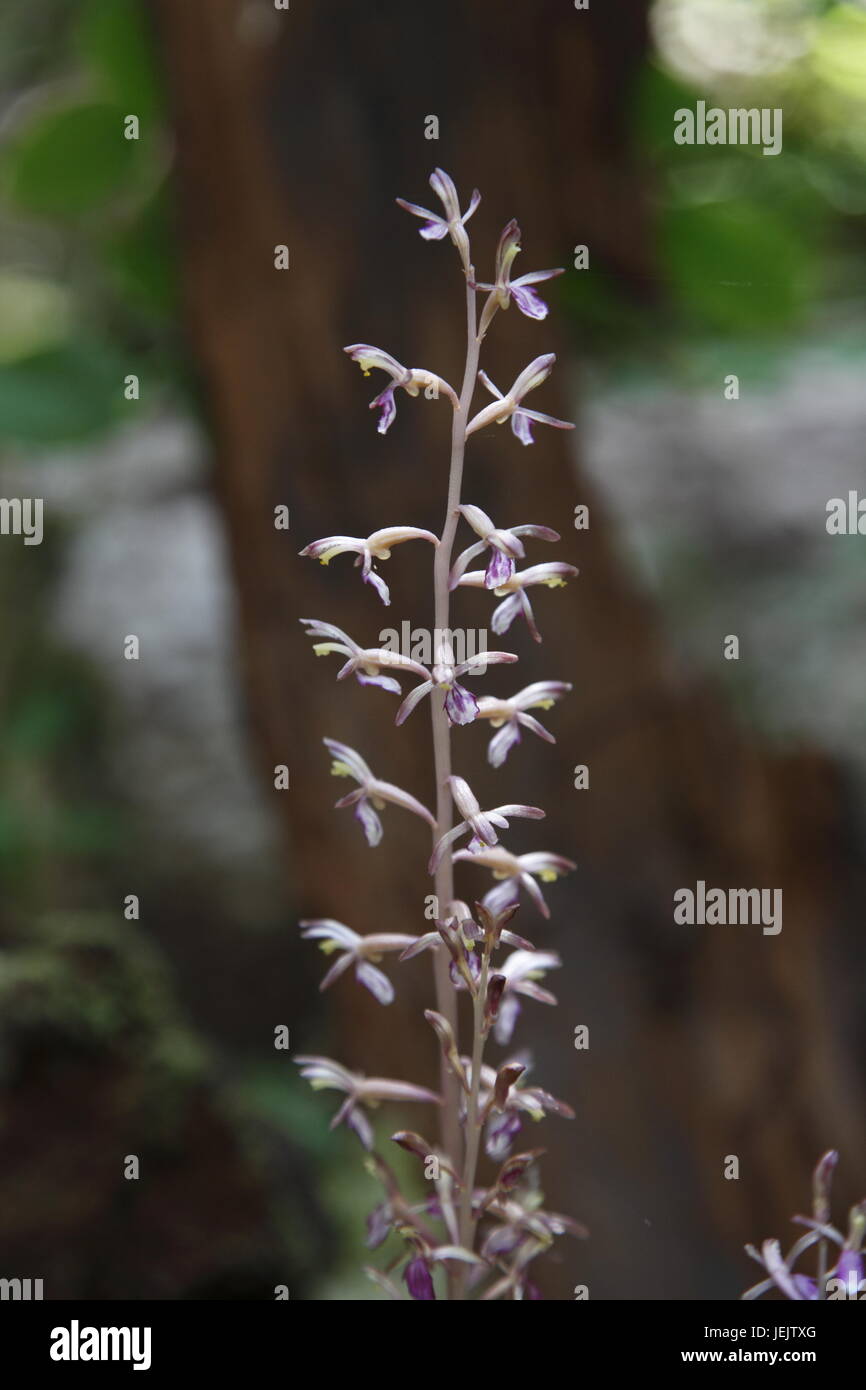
{"type": "Point", "coordinates": [797, 1287]}
{"type": "Point", "coordinates": [461, 705]}
{"type": "Point", "coordinates": [504, 289]}
{"type": "Point", "coordinates": [507, 716]}
{"type": "Point", "coordinates": [516, 603]}
{"type": "Point", "coordinates": [509, 406]}
{"type": "Point", "coordinates": [371, 794]}
{"type": "Point", "coordinates": [522, 970]}
{"type": "Point", "coordinates": [848, 1268]}
{"type": "Point", "coordinates": [453, 224]}
{"type": "Point", "coordinates": [505, 1104]}
{"type": "Point", "coordinates": [324, 1074]}
{"type": "Point", "coordinates": [525, 1218]}
{"type": "Point", "coordinates": [460, 933]}
{"type": "Point", "coordinates": [377, 546]}
{"type": "Point", "coordinates": [505, 547]}
{"type": "Point", "coordinates": [516, 870]}
{"type": "Point", "coordinates": [482, 824]}
{"type": "Point", "coordinates": [526, 1231]}
{"type": "Point", "coordinates": [419, 1280]}
{"type": "Point", "coordinates": [410, 379]}
{"type": "Point", "coordinates": [357, 950]}
{"type": "Point", "coordinates": [364, 663]}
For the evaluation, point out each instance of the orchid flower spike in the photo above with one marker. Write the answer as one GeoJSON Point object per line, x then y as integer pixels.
{"type": "Point", "coordinates": [504, 289]}
{"type": "Point", "coordinates": [508, 407]}
{"type": "Point", "coordinates": [364, 663]}
{"type": "Point", "coordinates": [371, 794]}
{"type": "Point", "coordinates": [453, 224]}
{"type": "Point", "coordinates": [516, 871]}
{"type": "Point", "coordinates": [358, 951]}
{"type": "Point", "coordinates": [507, 716]}
{"type": "Point", "coordinates": [522, 971]}
{"type": "Point", "coordinates": [505, 547]}
{"type": "Point", "coordinates": [411, 379]}
{"type": "Point", "coordinates": [482, 824]}
{"type": "Point", "coordinates": [324, 1075]}
{"type": "Point", "coordinates": [516, 604]}
{"type": "Point", "coordinates": [461, 705]}
{"type": "Point", "coordinates": [375, 547]}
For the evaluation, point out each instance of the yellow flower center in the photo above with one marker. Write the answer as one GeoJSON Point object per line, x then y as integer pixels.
{"type": "Point", "coordinates": [327, 556]}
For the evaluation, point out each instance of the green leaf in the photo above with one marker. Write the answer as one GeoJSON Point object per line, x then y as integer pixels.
{"type": "Point", "coordinates": [114, 39]}
{"type": "Point", "coordinates": [141, 256]}
{"type": "Point", "coordinates": [733, 265]}
{"type": "Point", "coordinates": [68, 162]}
{"type": "Point", "coordinates": [68, 393]}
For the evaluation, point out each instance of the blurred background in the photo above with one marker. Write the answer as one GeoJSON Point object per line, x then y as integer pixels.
{"type": "Point", "coordinates": [153, 258]}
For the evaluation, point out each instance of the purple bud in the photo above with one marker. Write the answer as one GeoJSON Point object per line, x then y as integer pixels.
{"type": "Point", "coordinates": [419, 1281]}
{"type": "Point", "coordinates": [495, 990]}
{"type": "Point", "coordinates": [821, 1182]}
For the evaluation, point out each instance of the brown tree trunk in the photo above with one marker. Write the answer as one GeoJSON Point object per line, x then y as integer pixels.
{"type": "Point", "coordinates": [705, 1042]}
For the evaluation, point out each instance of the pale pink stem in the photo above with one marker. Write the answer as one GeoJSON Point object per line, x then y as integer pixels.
{"type": "Point", "coordinates": [446, 999]}
{"type": "Point", "coordinates": [473, 1126]}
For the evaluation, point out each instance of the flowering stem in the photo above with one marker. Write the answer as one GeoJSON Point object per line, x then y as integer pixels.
{"type": "Point", "coordinates": [446, 999]}
{"type": "Point", "coordinates": [473, 1128]}
{"type": "Point", "coordinates": [458, 934]}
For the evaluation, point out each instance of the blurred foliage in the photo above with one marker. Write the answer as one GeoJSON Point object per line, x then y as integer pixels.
{"type": "Point", "coordinates": [84, 225]}
{"type": "Point", "coordinates": [747, 247]}
{"type": "Point", "coordinates": [751, 247]}
{"type": "Point", "coordinates": [59, 815]}
{"type": "Point", "coordinates": [71, 161]}
{"type": "Point", "coordinates": [90, 982]}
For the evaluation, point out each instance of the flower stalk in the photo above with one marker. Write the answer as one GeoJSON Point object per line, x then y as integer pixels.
{"type": "Point", "coordinates": [484, 1238]}
{"type": "Point", "coordinates": [443, 887]}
